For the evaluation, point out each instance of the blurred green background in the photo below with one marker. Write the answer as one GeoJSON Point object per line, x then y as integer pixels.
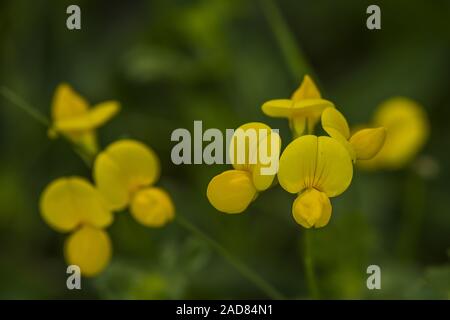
{"type": "Point", "coordinates": [172, 62]}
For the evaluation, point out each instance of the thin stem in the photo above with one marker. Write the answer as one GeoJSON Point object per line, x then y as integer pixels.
{"type": "Point", "coordinates": [88, 159]}
{"type": "Point", "coordinates": [34, 113]}
{"type": "Point", "coordinates": [295, 59]}
{"type": "Point", "coordinates": [309, 266]}
{"type": "Point", "coordinates": [239, 265]}
{"type": "Point", "coordinates": [22, 104]}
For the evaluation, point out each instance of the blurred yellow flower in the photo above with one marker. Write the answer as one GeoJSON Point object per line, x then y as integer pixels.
{"type": "Point", "coordinates": [90, 249]}
{"type": "Point", "coordinates": [124, 173]}
{"type": "Point", "coordinates": [362, 145]}
{"type": "Point", "coordinates": [233, 190]}
{"type": "Point", "coordinates": [303, 109]}
{"type": "Point", "coordinates": [72, 117]}
{"type": "Point", "coordinates": [316, 168]}
{"type": "Point", "coordinates": [407, 131]}
{"type": "Point", "coordinates": [68, 203]}
{"type": "Point", "coordinates": [152, 207]}
{"type": "Point", "coordinates": [73, 204]}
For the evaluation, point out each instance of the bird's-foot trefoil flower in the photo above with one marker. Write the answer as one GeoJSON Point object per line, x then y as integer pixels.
{"type": "Point", "coordinates": [315, 168]}
{"type": "Point", "coordinates": [232, 191]}
{"type": "Point", "coordinates": [125, 173]}
{"type": "Point", "coordinates": [407, 128]}
{"type": "Point", "coordinates": [74, 205]}
{"type": "Point", "coordinates": [72, 117]}
{"type": "Point", "coordinates": [363, 145]}
{"type": "Point", "coordinates": [303, 109]}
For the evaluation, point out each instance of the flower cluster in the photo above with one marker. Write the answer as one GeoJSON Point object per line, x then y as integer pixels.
{"type": "Point", "coordinates": [315, 168]}
{"type": "Point", "coordinates": [124, 176]}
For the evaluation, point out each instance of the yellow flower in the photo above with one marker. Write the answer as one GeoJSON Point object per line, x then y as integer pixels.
{"type": "Point", "coordinates": [73, 118]}
{"type": "Point", "coordinates": [73, 204]}
{"type": "Point", "coordinates": [303, 109]}
{"type": "Point", "coordinates": [317, 168]}
{"type": "Point", "coordinates": [68, 203]}
{"type": "Point", "coordinates": [407, 131]}
{"type": "Point", "coordinates": [124, 173]}
{"type": "Point", "coordinates": [232, 191]}
{"type": "Point", "coordinates": [152, 207]}
{"type": "Point", "coordinates": [90, 249]}
{"type": "Point", "coordinates": [363, 145]}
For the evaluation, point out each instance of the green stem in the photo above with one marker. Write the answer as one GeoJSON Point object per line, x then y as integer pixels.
{"type": "Point", "coordinates": [22, 104]}
{"type": "Point", "coordinates": [292, 53]}
{"type": "Point", "coordinates": [309, 266]}
{"type": "Point", "coordinates": [88, 159]}
{"type": "Point", "coordinates": [239, 265]}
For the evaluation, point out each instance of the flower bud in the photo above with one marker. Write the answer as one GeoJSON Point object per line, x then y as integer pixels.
{"type": "Point", "coordinates": [368, 142]}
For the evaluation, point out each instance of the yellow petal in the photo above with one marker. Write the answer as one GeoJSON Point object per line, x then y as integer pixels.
{"type": "Point", "coordinates": [244, 144]}
{"type": "Point", "coordinates": [251, 150]}
{"type": "Point", "coordinates": [152, 207]}
{"type": "Point", "coordinates": [312, 208]}
{"type": "Point", "coordinates": [90, 249]}
{"type": "Point", "coordinates": [298, 163]}
{"type": "Point", "coordinates": [89, 120]}
{"type": "Point", "coordinates": [264, 173]}
{"type": "Point", "coordinates": [307, 90]}
{"type": "Point", "coordinates": [67, 103]}
{"type": "Point", "coordinates": [285, 108]}
{"type": "Point", "coordinates": [297, 126]}
{"type": "Point", "coordinates": [278, 108]}
{"type": "Point", "coordinates": [231, 191]}
{"type": "Point", "coordinates": [334, 122]}
{"type": "Point", "coordinates": [123, 168]}
{"type": "Point", "coordinates": [305, 115]}
{"type": "Point", "coordinates": [69, 202]}
{"type": "Point", "coordinates": [111, 182]}
{"type": "Point", "coordinates": [334, 169]}
{"type": "Point", "coordinates": [368, 142]}
{"type": "Point", "coordinates": [315, 162]}
{"type": "Point", "coordinates": [407, 130]}
{"type": "Point", "coordinates": [345, 143]}
{"type": "Point", "coordinates": [310, 110]}
{"type": "Point", "coordinates": [310, 107]}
